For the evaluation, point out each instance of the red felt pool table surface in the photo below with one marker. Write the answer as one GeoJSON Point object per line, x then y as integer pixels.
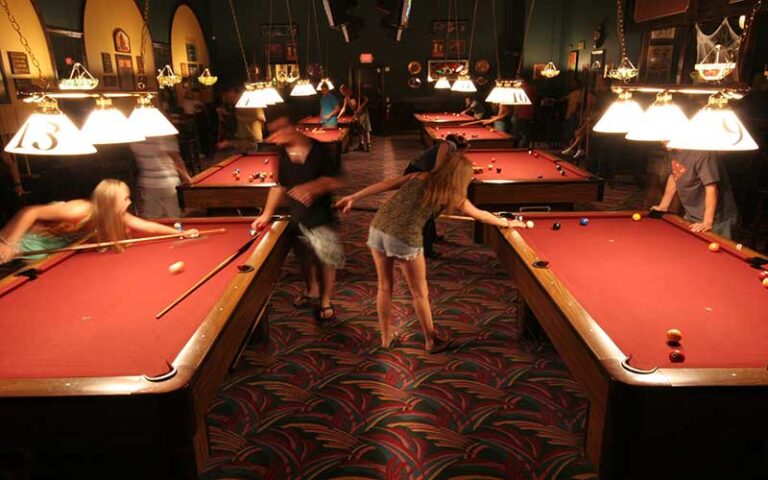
{"type": "Point", "coordinates": [325, 135]}
{"type": "Point", "coordinates": [93, 314]}
{"type": "Point", "coordinates": [521, 165]}
{"type": "Point", "coordinates": [315, 120]}
{"type": "Point", "coordinates": [637, 279]}
{"type": "Point", "coordinates": [442, 118]}
{"type": "Point", "coordinates": [222, 173]}
{"type": "Point", "coordinates": [469, 133]}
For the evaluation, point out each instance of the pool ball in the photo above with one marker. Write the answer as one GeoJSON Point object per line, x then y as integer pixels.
{"type": "Point", "coordinates": [762, 274]}
{"type": "Point", "coordinates": [739, 247]}
{"type": "Point", "coordinates": [714, 247]}
{"type": "Point", "coordinates": [674, 336]}
{"type": "Point", "coordinates": [271, 175]}
{"type": "Point", "coordinates": [558, 166]}
{"type": "Point", "coordinates": [498, 169]}
{"type": "Point", "coordinates": [676, 356]}
{"type": "Point", "coordinates": [266, 161]}
{"type": "Point", "coordinates": [562, 172]}
{"type": "Point", "coordinates": [493, 159]}
{"type": "Point", "coordinates": [519, 218]}
{"type": "Point", "coordinates": [584, 221]}
{"type": "Point", "coordinates": [250, 178]}
{"type": "Point", "coordinates": [176, 267]}
{"type": "Point", "coordinates": [556, 226]}
{"type": "Point", "coordinates": [529, 224]}
{"type": "Point", "coordinates": [178, 226]}
{"type": "Point", "coordinates": [490, 166]}
{"type": "Point", "coordinates": [535, 154]}
{"type": "Point", "coordinates": [530, 152]}
{"type": "Point", "coordinates": [765, 282]}
{"type": "Point", "coordinates": [539, 176]}
{"type": "Point", "coordinates": [636, 217]}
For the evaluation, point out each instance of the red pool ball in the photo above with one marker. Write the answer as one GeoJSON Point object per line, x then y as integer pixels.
{"type": "Point", "coordinates": [676, 356]}
{"type": "Point", "coordinates": [535, 154]}
{"type": "Point", "coordinates": [762, 274]}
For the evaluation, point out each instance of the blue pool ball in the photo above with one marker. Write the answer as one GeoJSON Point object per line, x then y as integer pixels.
{"type": "Point", "coordinates": [584, 221]}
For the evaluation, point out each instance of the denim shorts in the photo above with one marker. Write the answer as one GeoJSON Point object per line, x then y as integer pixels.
{"type": "Point", "coordinates": [391, 246]}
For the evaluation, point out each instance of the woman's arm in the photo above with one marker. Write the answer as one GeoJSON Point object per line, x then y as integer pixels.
{"type": "Point", "coordinates": [153, 228]}
{"type": "Point", "coordinates": [468, 209]}
{"type": "Point", "coordinates": [72, 211]}
{"type": "Point", "coordinates": [442, 154]}
{"type": "Point", "coordinates": [383, 186]}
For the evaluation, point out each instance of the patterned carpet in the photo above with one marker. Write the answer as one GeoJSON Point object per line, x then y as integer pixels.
{"type": "Point", "coordinates": [324, 402]}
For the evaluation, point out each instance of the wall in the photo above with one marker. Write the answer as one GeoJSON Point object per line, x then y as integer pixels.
{"type": "Point", "coordinates": [14, 113]}
{"type": "Point", "coordinates": [415, 44]}
{"type": "Point", "coordinates": [186, 30]}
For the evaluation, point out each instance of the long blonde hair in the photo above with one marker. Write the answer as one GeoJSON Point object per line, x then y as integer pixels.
{"type": "Point", "coordinates": [447, 185]}
{"type": "Point", "coordinates": [105, 217]}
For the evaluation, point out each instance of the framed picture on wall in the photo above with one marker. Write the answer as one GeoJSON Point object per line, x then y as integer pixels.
{"type": "Point", "coordinates": [440, 26]}
{"type": "Point", "coordinates": [68, 48]}
{"type": "Point", "coordinates": [274, 52]}
{"type": "Point", "coordinates": [121, 40]}
{"type": "Point", "coordinates": [162, 53]}
{"type": "Point", "coordinates": [109, 81]}
{"type": "Point", "coordinates": [125, 76]}
{"type": "Point", "coordinates": [456, 47]}
{"type": "Point", "coordinates": [438, 48]}
{"type": "Point", "coordinates": [573, 61]}
{"type": "Point", "coordinates": [663, 34]}
{"type": "Point", "coordinates": [597, 60]}
{"type": "Point", "coordinates": [658, 63]}
{"type": "Point", "coordinates": [140, 65]}
{"type": "Point", "coordinates": [5, 96]}
{"type": "Point", "coordinates": [22, 85]}
{"type": "Point", "coordinates": [191, 52]}
{"type": "Point", "coordinates": [19, 63]}
{"type": "Point", "coordinates": [194, 72]}
{"type": "Point", "coordinates": [106, 63]}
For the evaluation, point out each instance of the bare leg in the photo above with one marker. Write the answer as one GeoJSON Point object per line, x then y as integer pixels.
{"type": "Point", "coordinates": [327, 279]}
{"type": "Point", "coordinates": [308, 266]}
{"type": "Point", "coordinates": [415, 272]}
{"type": "Point", "coordinates": [385, 273]}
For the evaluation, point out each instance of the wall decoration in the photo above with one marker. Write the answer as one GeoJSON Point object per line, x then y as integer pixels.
{"type": "Point", "coordinates": [658, 63]}
{"type": "Point", "coordinates": [285, 72]}
{"type": "Point", "coordinates": [663, 34]}
{"type": "Point", "coordinates": [581, 45]}
{"type": "Point", "coordinates": [440, 26]}
{"type": "Point", "coordinates": [291, 54]}
{"type": "Point", "coordinates": [449, 68]}
{"type": "Point", "coordinates": [438, 48]}
{"type": "Point", "coordinates": [125, 76]}
{"type": "Point", "coordinates": [19, 63]}
{"type": "Point", "coordinates": [141, 82]}
{"type": "Point", "coordinates": [121, 40]}
{"type": "Point", "coordinates": [456, 48]}
{"type": "Point", "coordinates": [194, 72]}
{"type": "Point", "coordinates": [279, 30]}
{"type": "Point", "coordinates": [68, 49]}
{"type": "Point", "coordinates": [184, 70]}
{"type": "Point", "coordinates": [414, 67]}
{"type": "Point", "coordinates": [22, 85]}
{"type": "Point", "coordinates": [481, 80]}
{"type": "Point", "coordinates": [598, 36]}
{"type": "Point", "coordinates": [597, 60]}
{"type": "Point", "coordinates": [140, 65]}
{"type": "Point", "coordinates": [191, 52]}
{"type": "Point", "coordinates": [162, 53]}
{"type": "Point", "coordinates": [5, 96]}
{"type": "Point", "coordinates": [414, 82]}
{"type": "Point", "coordinates": [281, 52]}
{"type": "Point", "coordinates": [482, 66]}
{"type": "Point", "coordinates": [106, 62]}
{"type": "Point", "coordinates": [573, 60]}
{"type": "Point", "coordinates": [109, 81]}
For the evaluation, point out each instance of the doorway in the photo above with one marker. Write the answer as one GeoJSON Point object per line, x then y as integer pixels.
{"type": "Point", "coordinates": [369, 80]}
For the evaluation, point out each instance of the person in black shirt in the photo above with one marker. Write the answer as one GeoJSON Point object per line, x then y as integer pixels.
{"type": "Point", "coordinates": [426, 162]}
{"type": "Point", "coordinates": [307, 174]}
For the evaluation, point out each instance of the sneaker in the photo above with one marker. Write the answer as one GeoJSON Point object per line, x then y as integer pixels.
{"type": "Point", "coordinates": [567, 151]}
{"type": "Point", "coordinates": [579, 153]}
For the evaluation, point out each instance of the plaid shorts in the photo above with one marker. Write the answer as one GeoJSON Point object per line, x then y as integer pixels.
{"type": "Point", "coordinates": [325, 244]}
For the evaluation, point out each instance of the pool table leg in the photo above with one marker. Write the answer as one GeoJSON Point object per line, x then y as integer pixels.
{"type": "Point", "coordinates": [259, 330]}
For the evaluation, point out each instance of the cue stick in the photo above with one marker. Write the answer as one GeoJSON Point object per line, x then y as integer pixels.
{"type": "Point", "coordinates": [471, 123]}
{"type": "Point", "coordinates": [210, 274]}
{"type": "Point", "coordinates": [90, 246]}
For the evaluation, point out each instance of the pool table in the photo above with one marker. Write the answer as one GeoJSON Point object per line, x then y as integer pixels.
{"type": "Point", "coordinates": [314, 121]}
{"type": "Point", "coordinates": [606, 298]}
{"type": "Point", "coordinates": [443, 118]}
{"type": "Point", "coordinates": [217, 187]}
{"type": "Point", "coordinates": [337, 139]}
{"type": "Point", "coordinates": [524, 178]}
{"type": "Point", "coordinates": [479, 137]}
{"type": "Point", "coordinates": [88, 371]}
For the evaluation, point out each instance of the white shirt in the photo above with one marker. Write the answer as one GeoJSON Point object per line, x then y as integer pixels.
{"type": "Point", "coordinates": [156, 168]}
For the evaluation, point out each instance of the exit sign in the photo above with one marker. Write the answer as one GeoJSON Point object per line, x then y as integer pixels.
{"type": "Point", "coordinates": [366, 58]}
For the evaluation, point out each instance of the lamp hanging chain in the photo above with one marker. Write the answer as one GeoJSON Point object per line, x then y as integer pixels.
{"type": "Point", "coordinates": [620, 22]}
{"type": "Point", "coordinates": [456, 28]}
{"type": "Point", "coordinates": [750, 20]}
{"type": "Point", "coordinates": [317, 38]}
{"type": "Point", "coordinates": [447, 22]}
{"type": "Point", "coordinates": [293, 37]}
{"type": "Point", "coordinates": [22, 38]}
{"type": "Point", "coordinates": [144, 33]}
{"type": "Point", "coordinates": [495, 39]}
{"type": "Point", "coordinates": [472, 35]}
{"type": "Point", "coordinates": [309, 35]}
{"type": "Point", "coordinates": [269, 41]}
{"type": "Point", "coordinates": [525, 38]}
{"type": "Point", "coordinates": [240, 42]}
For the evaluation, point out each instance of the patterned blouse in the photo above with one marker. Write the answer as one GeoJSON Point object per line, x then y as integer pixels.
{"type": "Point", "coordinates": [403, 216]}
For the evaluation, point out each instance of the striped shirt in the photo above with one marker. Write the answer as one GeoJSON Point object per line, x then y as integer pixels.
{"type": "Point", "coordinates": [156, 168]}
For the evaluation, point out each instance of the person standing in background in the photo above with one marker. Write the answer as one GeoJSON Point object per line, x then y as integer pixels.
{"type": "Point", "coordinates": [161, 169]}
{"type": "Point", "coordinates": [475, 108]}
{"type": "Point", "coordinates": [358, 107]}
{"type": "Point", "coordinates": [499, 119]}
{"type": "Point", "coordinates": [329, 107]}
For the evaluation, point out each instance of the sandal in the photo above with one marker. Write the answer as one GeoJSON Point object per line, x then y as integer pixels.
{"type": "Point", "coordinates": [306, 301]}
{"type": "Point", "coordinates": [395, 341]}
{"type": "Point", "coordinates": [320, 313]}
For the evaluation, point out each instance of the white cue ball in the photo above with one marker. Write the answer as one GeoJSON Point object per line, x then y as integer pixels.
{"type": "Point", "coordinates": [176, 267]}
{"type": "Point", "coordinates": [529, 224]}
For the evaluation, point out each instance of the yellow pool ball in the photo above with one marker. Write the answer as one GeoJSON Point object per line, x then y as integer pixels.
{"type": "Point", "coordinates": [636, 217]}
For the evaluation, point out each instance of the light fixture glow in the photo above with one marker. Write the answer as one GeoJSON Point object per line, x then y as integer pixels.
{"type": "Point", "coordinates": [272, 94]}
{"type": "Point", "coordinates": [660, 122]}
{"type": "Point", "coordinates": [79, 79]}
{"type": "Point", "coordinates": [166, 78]}
{"type": "Point", "coordinates": [550, 71]}
{"type": "Point", "coordinates": [106, 125]}
{"type": "Point", "coordinates": [620, 116]}
{"type": "Point", "coordinates": [327, 81]}
{"type": "Point", "coordinates": [624, 71]}
{"type": "Point", "coordinates": [715, 128]}
{"type": "Point", "coordinates": [49, 132]}
{"type": "Point", "coordinates": [442, 84]}
{"type": "Point", "coordinates": [149, 121]}
{"type": "Point", "coordinates": [251, 98]}
{"type": "Point", "coordinates": [508, 92]}
{"type": "Point", "coordinates": [464, 84]}
{"type": "Point", "coordinates": [303, 88]}
{"type": "Point", "coordinates": [207, 79]}
{"type": "Point", "coordinates": [715, 66]}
